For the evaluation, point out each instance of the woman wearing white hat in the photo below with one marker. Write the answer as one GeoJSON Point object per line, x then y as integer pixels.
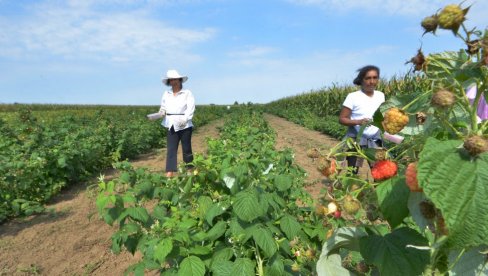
{"type": "Point", "coordinates": [178, 105]}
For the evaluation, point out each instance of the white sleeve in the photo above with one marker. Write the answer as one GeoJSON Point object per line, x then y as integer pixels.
{"type": "Point", "coordinates": [163, 103]}
{"type": "Point", "coordinates": [349, 102]}
{"type": "Point", "coordinates": [190, 106]}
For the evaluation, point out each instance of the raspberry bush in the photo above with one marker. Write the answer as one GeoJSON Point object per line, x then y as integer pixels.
{"type": "Point", "coordinates": [430, 217]}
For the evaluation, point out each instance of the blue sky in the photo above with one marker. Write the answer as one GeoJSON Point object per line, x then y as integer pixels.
{"type": "Point", "coordinates": [116, 51]}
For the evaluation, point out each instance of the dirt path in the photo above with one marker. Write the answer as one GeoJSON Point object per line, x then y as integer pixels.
{"type": "Point", "coordinates": [71, 240]}
{"type": "Point", "coordinates": [300, 139]}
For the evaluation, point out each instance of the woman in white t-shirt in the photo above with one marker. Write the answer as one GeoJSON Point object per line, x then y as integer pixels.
{"type": "Point", "coordinates": [358, 110]}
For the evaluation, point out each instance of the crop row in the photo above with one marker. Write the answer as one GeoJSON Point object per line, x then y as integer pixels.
{"type": "Point", "coordinates": [242, 211]}
{"type": "Point", "coordinates": [43, 151]}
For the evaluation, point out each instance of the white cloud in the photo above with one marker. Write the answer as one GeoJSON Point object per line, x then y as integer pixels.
{"type": "Point", "coordinates": [79, 30]}
{"type": "Point", "coordinates": [252, 51]}
{"type": "Point", "coordinates": [275, 78]}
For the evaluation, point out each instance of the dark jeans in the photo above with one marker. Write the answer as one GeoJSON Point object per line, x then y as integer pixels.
{"type": "Point", "coordinates": [172, 141]}
{"type": "Point", "coordinates": [352, 160]}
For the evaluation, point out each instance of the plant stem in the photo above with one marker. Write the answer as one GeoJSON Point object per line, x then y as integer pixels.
{"type": "Point", "coordinates": [457, 259]}
{"type": "Point", "coordinates": [415, 100]}
{"type": "Point", "coordinates": [259, 260]}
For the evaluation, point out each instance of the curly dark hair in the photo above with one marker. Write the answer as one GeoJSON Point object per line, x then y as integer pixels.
{"type": "Point", "coordinates": [363, 71]}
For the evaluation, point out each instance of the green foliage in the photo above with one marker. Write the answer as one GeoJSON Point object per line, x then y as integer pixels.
{"type": "Point", "coordinates": [442, 229]}
{"type": "Point", "coordinates": [46, 148]}
{"type": "Point", "coordinates": [235, 215]}
{"type": "Point", "coordinates": [461, 200]}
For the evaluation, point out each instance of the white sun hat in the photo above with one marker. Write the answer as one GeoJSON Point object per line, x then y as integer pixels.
{"type": "Point", "coordinates": [173, 74]}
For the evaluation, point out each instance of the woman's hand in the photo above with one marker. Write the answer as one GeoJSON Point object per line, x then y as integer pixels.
{"type": "Point", "coordinates": [181, 123]}
{"type": "Point", "coordinates": [363, 121]}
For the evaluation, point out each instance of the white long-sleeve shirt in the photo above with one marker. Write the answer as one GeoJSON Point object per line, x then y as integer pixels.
{"type": "Point", "coordinates": [179, 107]}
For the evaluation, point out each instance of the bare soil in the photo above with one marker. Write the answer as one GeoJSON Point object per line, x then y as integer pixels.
{"type": "Point", "coordinates": [70, 239]}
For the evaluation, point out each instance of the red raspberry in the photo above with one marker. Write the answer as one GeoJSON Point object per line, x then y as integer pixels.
{"type": "Point", "coordinates": [384, 169]}
{"type": "Point", "coordinates": [411, 178]}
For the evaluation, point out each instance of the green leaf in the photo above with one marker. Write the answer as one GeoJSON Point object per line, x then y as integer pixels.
{"type": "Point", "coordinates": [223, 254]}
{"type": "Point", "coordinates": [222, 268]}
{"type": "Point", "coordinates": [275, 266]}
{"type": "Point", "coordinates": [378, 119]}
{"type": "Point", "coordinates": [283, 182]}
{"type": "Point", "coordinates": [62, 162]}
{"type": "Point", "coordinates": [236, 229]}
{"type": "Point", "coordinates": [102, 201]}
{"type": "Point", "coordinates": [215, 210]}
{"type": "Point", "coordinates": [344, 237]}
{"type": "Point", "coordinates": [414, 200]}
{"type": "Point", "coordinates": [188, 185]}
{"type": "Point", "coordinates": [456, 183]}
{"type": "Point", "coordinates": [393, 198]}
{"type": "Point", "coordinates": [162, 249]}
{"type": "Point", "coordinates": [193, 266]}
{"type": "Point", "coordinates": [130, 228]}
{"type": "Point", "coordinates": [200, 250]}
{"type": "Point", "coordinates": [331, 265]}
{"type": "Point", "coordinates": [159, 212]}
{"type": "Point", "coordinates": [264, 239]}
{"type": "Point", "coordinates": [290, 226]}
{"type": "Point", "coordinates": [138, 213]}
{"type": "Point", "coordinates": [181, 236]}
{"type": "Point", "coordinates": [245, 205]}
{"type": "Point", "coordinates": [471, 263]}
{"type": "Point", "coordinates": [144, 188]}
{"type": "Point", "coordinates": [204, 203]}
{"type": "Point", "coordinates": [444, 65]}
{"type": "Point", "coordinates": [393, 254]}
{"type": "Point", "coordinates": [243, 267]}
{"type": "Point", "coordinates": [217, 231]}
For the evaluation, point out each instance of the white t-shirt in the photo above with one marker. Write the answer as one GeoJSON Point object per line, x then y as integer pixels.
{"type": "Point", "coordinates": [179, 107]}
{"type": "Point", "coordinates": [363, 106]}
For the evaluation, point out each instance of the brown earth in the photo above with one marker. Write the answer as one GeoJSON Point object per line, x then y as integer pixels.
{"type": "Point", "coordinates": [70, 239]}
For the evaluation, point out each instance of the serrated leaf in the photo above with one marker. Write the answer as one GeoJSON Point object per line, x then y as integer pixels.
{"type": "Point", "coordinates": [138, 213]}
{"type": "Point", "coordinates": [192, 265]}
{"type": "Point", "coordinates": [200, 250]}
{"type": "Point", "coordinates": [392, 255]}
{"type": "Point", "coordinates": [222, 268]}
{"type": "Point", "coordinates": [182, 237]}
{"type": "Point", "coordinates": [204, 203]}
{"type": "Point", "coordinates": [130, 228]}
{"type": "Point", "coordinates": [243, 267]}
{"type": "Point", "coordinates": [331, 265]}
{"type": "Point", "coordinates": [236, 228]}
{"type": "Point", "coordinates": [159, 212]}
{"type": "Point", "coordinates": [245, 205]}
{"type": "Point", "coordinates": [217, 231]}
{"type": "Point", "coordinates": [290, 226]}
{"type": "Point", "coordinates": [145, 187]}
{"type": "Point", "coordinates": [162, 249]}
{"type": "Point", "coordinates": [456, 184]}
{"type": "Point", "coordinates": [283, 182]}
{"type": "Point", "coordinates": [264, 240]}
{"type": "Point", "coordinates": [275, 266]}
{"type": "Point", "coordinates": [393, 198]}
{"type": "Point", "coordinates": [216, 209]}
{"type": "Point", "coordinates": [102, 201]}
{"type": "Point", "coordinates": [223, 254]}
